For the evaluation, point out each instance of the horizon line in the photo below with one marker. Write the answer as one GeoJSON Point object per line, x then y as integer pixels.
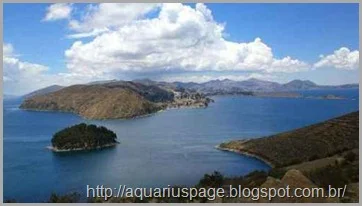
{"type": "Point", "coordinates": [189, 82]}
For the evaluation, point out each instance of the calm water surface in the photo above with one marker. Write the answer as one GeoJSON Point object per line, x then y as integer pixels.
{"type": "Point", "coordinates": [167, 148]}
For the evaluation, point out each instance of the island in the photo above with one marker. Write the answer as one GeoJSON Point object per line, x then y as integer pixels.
{"type": "Point", "coordinates": [83, 137]}
{"type": "Point", "coordinates": [328, 97]}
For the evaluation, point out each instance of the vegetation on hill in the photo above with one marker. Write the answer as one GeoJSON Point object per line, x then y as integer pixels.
{"type": "Point", "coordinates": [113, 100]}
{"type": "Point", "coordinates": [46, 90]}
{"type": "Point", "coordinates": [322, 155]}
{"type": "Point", "coordinates": [94, 102]}
{"type": "Point", "coordinates": [304, 144]}
{"type": "Point", "coordinates": [83, 137]}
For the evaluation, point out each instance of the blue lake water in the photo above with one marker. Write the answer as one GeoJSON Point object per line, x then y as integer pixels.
{"type": "Point", "coordinates": [174, 147]}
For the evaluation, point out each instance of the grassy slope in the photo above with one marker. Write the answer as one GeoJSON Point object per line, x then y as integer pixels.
{"type": "Point", "coordinates": [94, 102]}
{"type": "Point", "coordinates": [305, 144]}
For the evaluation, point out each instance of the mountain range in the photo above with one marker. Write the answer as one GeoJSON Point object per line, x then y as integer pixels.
{"type": "Point", "coordinates": [215, 87]}
{"type": "Point", "coordinates": [228, 86]}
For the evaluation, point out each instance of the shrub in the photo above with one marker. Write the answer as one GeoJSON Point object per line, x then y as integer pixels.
{"type": "Point", "coordinates": [214, 180]}
{"type": "Point", "coordinates": [69, 198]}
{"type": "Point", "coordinates": [83, 136]}
{"type": "Point", "coordinates": [329, 175]}
{"type": "Point", "coordinates": [277, 172]}
{"type": "Point", "coordinates": [351, 156]}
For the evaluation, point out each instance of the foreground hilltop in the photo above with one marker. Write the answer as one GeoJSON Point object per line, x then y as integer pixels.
{"type": "Point", "coordinates": [322, 155]}
{"type": "Point", "coordinates": [112, 100]}
{"type": "Point", "coordinates": [305, 144]}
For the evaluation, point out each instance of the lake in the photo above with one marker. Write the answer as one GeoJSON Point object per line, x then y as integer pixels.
{"type": "Point", "coordinates": [173, 147]}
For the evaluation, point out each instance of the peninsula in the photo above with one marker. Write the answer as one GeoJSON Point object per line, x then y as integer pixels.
{"type": "Point", "coordinates": [304, 144]}
{"type": "Point", "coordinates": [320, 155]}
{"type": "Point", "coordinates": [116, 99]}
{"type": "Point", "coordinates": [83, 137]}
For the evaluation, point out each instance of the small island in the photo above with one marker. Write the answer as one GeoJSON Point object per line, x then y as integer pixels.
{"type": "Point", "coordinates": [83, 137]}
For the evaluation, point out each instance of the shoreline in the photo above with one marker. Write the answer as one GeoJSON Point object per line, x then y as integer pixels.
{"type": "Point", "coordinates": [54, 149]}
{"type": "Point", "coordinates": [245, 153]}
{"type": "Point", "coordinates": [100, 119]}
{"type": "Point", "coordinates": [169, 107]}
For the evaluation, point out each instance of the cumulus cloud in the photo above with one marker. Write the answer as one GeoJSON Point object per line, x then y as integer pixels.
{"type": "Point", "coordinates": [342, 58]}
{"type": "Point", "coordinates": [58, 11]}
{"type": "Point", "coordinates": [14, 70]}
{"type": "Point", "coordinates": [179, 38]}
{"type": "Point", "coordinates": [13, 67]}
{"type": "Point", "coordinates": [99, 18]}
{"type": "Point", "coordinates": [21, 77]}
{"type": "Point", "coordinates": [288, 65]}
{"type": "Point", "coordinates": [130, 40]}
{"type": "Point", "coordinates": [8, 50]}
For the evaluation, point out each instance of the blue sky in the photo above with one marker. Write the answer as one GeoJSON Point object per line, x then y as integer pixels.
{"type": "Point", "coordinates": [231, 41]}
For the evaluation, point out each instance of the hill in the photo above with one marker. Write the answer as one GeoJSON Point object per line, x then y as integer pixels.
{"type": "Point", "coordinates": [46, 90]}
{"type": "Point", "coordinates": [305, 144]}
{"type": "Point", "coordinates": [253, 85]}
{"type": "Point", "coordinates": [94, 102]}
{"type": "Point", "coordinates": [321, 155]}
{"type": "Point", "coordinates": [113, 100]}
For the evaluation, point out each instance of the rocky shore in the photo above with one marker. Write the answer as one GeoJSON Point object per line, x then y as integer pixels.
{"type": "Point", "coordinates": [55, 149]}
{"type": "Point", "coordinates": [220, 147]}
{"type": "Point", "coordinates": [83, 137]}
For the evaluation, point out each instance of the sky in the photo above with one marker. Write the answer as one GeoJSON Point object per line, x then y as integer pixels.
{"type": "Point", "coordinates": [65, 44]}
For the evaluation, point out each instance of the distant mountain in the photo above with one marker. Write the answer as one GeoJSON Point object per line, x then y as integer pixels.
{"type": "Point", "coordinates": [213, 87]}
{"type": "Point", "coordinates": [228, 86]}
{"type": "Point", "coordinates": [145, 81]}
{"type": "Point", "coordinates": [102, 82]}
{"type": "Point", "coordinates": [299, 85]}
{"type": "Point", "coordinates": [259, 85]}
{"type": "Point", "coordinates": [46, 90]}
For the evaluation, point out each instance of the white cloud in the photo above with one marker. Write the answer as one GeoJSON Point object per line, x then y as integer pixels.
{"type": "Point", "coordinates": [58, 11]}
{"type": "Point", "coordinates": [157, 39]}
{"type": "Point", "coordinates": [95, 32]}
{"type": "Point", "coordinates": [8, 49]}
{"type": "Point", "coordinates": [13, 67]}
{"type": "Point", "coordinates": [288, 65]}
{"type": "Point", "coordinates": [108, 15]}
{"type": "Point", "coordinates": [342, 58]}
{"type": "Point", "coordinates": [22, 77]}
{"type": "Point", "coordinates": [18, 74]}
{"type": "Point", "coordinates": [180, 38]}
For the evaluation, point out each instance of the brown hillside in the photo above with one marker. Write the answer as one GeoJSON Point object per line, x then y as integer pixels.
{"type": "Point", "coordinates": [94, 102]}
{"type": "Point", "coordinates": [304, 144]}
